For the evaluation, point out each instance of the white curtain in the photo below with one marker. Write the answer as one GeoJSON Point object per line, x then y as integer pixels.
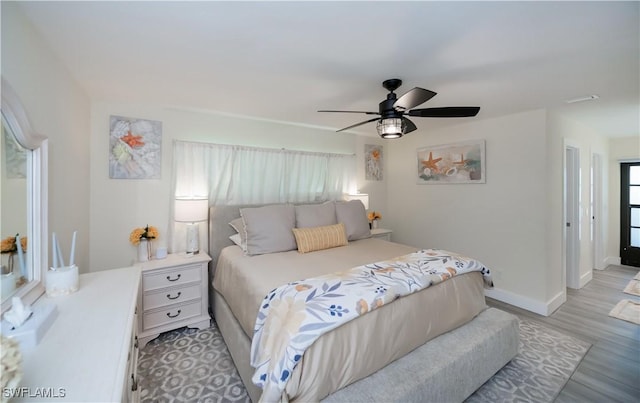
{"type": "Point", "coordinates": [228, 174]}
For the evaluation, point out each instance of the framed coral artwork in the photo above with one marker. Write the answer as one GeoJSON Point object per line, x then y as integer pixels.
{"type": "Point", "coordinates": [373, 162]}
{"type": "Point", "coordinates": [135, 147]}
{"type": "Point", "coordinates": [462, 162]}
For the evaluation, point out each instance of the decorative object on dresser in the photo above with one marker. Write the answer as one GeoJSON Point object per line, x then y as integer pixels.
{"type": "Point", "coordinates": [381, 233]}
{"type": "Point", "coordinates": [142, 237]}
{"type": "Point", "coordinates": [192, 211]}
{"type": "Point", "coordinates": [373, 217]}
{"type": "Point", "coordinates": [174, 294]}
{"type": "Point", "coordinates": [62, 279]}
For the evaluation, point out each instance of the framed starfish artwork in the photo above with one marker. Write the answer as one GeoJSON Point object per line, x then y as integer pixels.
{"type": "Point", "coordinates": [462, 162]}
{"type": "Point", "coordinates": [135, 148]}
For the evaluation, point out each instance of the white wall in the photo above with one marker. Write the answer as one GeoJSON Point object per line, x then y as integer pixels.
{"type": "Point", "coordinates": [119, 205]}
{"type": "Point", "coordinates": [503, 223]}
{"type": "Point", "coordinates": [58, 108]}
{"type": "Point", "coordinates": [619, 148]}
{"type": "Point", "coordinates": [564, 132]}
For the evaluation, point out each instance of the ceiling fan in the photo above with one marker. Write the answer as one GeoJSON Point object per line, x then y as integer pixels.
{"type": "Point", "coordinates": [392, 122]}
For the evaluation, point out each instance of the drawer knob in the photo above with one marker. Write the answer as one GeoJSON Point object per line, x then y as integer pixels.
{"type": "Point", "coordinates": [173, 279]}
{"type": "Point", "coordinates": [174, 316]}
{"type": "Point", "coordinates": [176, 297]}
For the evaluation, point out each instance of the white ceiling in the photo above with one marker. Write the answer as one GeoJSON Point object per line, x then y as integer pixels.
{"type": "Point", "coordinates": [283, 61]}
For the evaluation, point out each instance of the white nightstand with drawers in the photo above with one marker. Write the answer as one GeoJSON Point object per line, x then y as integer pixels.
{"type": "Point", "coordinates": [381, 233]}
{"type": "Point", "coordinates": [174, 294]}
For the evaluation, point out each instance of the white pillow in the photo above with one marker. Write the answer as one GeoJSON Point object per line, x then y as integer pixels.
{"type": "Point", "coordinates": [240, 238]}
{"type": "Point", "coordinates": [354, 217]}
{"type": "Point", "coordinates": [269, 228]}
{"type": "Point", "coordinates": [238, 241]}
{"type": "Point", "coordinates": [316, 215]}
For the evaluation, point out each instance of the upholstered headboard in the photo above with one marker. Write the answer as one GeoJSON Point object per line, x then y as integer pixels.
{"type": "Point", "coordinates": [220, 230]}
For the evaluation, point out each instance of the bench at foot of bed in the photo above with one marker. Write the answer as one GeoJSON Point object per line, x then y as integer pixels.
{"type": "Point", "coordinates": [457, 363]}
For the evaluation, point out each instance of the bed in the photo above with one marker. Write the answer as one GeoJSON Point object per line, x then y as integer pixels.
{"type": "Point", "coordinates": [443, 349]}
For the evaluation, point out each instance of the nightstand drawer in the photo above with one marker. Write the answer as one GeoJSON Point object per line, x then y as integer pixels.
{"type": "Point", "coordinates": [170, 314]}
{"type": "Point", "coordinates": [170, 296]}
{"type": "Point", "coordinates": [169, 278]}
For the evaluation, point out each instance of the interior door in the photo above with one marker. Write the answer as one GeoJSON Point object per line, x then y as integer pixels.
{"type": "Point", "coordinates": [630, 214]}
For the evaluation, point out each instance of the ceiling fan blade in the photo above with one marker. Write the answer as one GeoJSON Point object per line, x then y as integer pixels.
{"type": "Point", "coordinates": [368, 113]}
{"type": "Point", "coordinates": [413, 98]}
{"type": "Point", "coordinates": [409, 124]}
{"type": "Point", "coordinates": [358, 124]}
{"type": "Point", "coordinates": [446, 112]}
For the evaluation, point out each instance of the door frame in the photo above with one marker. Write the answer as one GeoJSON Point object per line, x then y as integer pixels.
{"type": "Point", "coordinates": [597, 212]}
{"type": "Point", "coordinates": [571, 215]}
{"type": "Point", "coordinates": [624, 216]}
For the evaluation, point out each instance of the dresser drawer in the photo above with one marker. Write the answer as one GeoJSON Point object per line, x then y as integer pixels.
{"type": "Point", "coordinates": [172, 277]}
{"type": "Point", "coordinates": [170, 296]}
{"type": "Point", "coordinates": [171, 314]}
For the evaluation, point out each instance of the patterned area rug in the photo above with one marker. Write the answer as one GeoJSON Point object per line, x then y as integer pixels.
{"type": "Point", "coordinates": [546, 361]}
{"type": "Point", "coordinates": [189, 365]}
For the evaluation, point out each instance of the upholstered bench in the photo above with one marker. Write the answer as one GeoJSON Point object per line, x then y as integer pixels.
{"type": "Point", "coordinates": [460, 361]}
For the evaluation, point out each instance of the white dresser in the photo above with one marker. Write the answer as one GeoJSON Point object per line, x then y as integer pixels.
{"type": "Point", "coordinates": [89, 353]}
{"type": "Point", "coordinates": [174, 294]}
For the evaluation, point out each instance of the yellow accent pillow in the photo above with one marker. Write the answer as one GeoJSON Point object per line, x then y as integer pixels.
{"type": "Point", "coordinates": [318, 238]}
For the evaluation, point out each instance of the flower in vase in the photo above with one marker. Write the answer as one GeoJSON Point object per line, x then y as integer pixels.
{"type": "Point", "coordinates": [374, 215]}
{"type": "Point", "coordinates": [9, 245]}
{"type": "Point", "coordinates": [148, 232]}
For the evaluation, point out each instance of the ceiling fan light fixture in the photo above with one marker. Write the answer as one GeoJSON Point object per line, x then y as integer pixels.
{"type": "Point", "coordinates": [391, 128]}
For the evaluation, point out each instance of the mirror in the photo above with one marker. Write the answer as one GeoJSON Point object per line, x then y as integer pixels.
{"type": "Point", "coordinates": [23, 210]}
{"type": "Point", "coordinates": [13, 213]}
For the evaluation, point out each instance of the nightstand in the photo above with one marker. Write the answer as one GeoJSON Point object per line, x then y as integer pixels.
{"type": "Point", "coordinates": [174, 294]}
{"type": "Point", "coordinates": [381, 233]}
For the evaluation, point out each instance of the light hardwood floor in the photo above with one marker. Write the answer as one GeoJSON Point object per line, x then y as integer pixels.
{"type": "Point", "coordinates": [610, 372]}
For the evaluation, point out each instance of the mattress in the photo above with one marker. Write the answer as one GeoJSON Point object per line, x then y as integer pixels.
{"type": "Point", "coordinates": [345, 354]}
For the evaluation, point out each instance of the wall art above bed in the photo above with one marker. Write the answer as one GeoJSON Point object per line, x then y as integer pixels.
{"type": "Point", "coordinates": [135, 147]}
{"type": "Point", "coordinates": [462, 162]}
{"type": "Point", "coordinates": [373, 162]}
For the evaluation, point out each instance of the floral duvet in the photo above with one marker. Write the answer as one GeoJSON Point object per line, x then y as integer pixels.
{"type": "Point", "coordinates": [294, 315]}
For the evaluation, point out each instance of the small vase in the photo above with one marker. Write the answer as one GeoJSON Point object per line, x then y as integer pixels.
{"type": "Point", "coordinates": [144, 250]}
{"type": "Point", "coordinates": [374, 224]}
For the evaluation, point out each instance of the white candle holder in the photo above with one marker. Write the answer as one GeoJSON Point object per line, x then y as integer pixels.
{"type": "Point", "coordinates": [62, 281]}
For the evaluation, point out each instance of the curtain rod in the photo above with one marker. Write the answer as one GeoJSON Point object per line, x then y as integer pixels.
{"type": "Point", "coordinates": [259, 148]}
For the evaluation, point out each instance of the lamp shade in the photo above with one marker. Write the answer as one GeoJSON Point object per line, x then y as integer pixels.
{"type": "Point", "coordinates": [363, 197]}
{"type": "Point", "coordinates": [191, 210]}
{"type": "Point", "coordinates": [391, 128]}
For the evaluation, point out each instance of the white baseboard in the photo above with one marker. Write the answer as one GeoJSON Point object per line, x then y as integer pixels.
{"type": "Point", "coordinates": [614, 260]}
{"type": "Point", "coordinates": [527, 303]}
{"type": "Point", "coordinates": [585, 278]}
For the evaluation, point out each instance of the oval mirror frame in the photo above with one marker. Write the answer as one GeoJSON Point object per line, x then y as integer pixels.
{"type": "Point", "coordinates": [15, 116]}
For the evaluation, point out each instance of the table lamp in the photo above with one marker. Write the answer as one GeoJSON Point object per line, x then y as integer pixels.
{"type": "Point", "coordinates": [192, 211]}
{"type": "Point", "coordinates": [363, 197]}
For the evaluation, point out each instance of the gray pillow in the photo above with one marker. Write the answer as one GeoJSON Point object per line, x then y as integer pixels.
{"type": "Point", "coordinates": [354, 217]}
{"type": "Point", "coordinates": [269, 228]}
{"type": "Point", "coordinates": [316, 215]}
